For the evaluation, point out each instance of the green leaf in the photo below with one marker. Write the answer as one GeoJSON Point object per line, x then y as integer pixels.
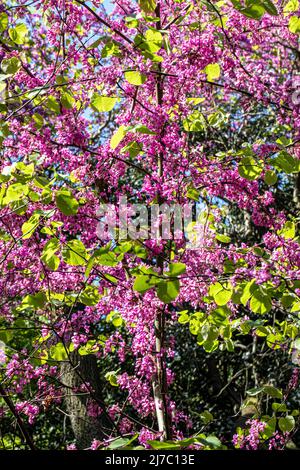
{"type": "Point", "coordinates": [22, 172]}
{"type": "Point", "coordinates": [211, 442]}
{"type": "Point", "coordinates": [115, 318]}
{"type": "Point", "coordinates": [212, 71]}
{"type": "Point", "coordinates": [287, 300]}
{"type": "Point", "coordinates": [95, 44]}
{"type": "Point", "coordinates": [41, 182]}
{"type": "Point", "coordinates": [223, 238]}
{"type": "Point", "coordinates": [294, 24]}
{"type": "Point", "coordinates": [38, 119]}
{"type": "Point", "coordinates": [164, 445]}
{"type": "Point", "coordinates": [48, 254]}
{"type": "Point", "coordinates": [271, 425]}
{"type": "Point", "coordinates": [255, 12]}
{"type": "Point", "coordinates": [66, 202]}
{"type": "Point", "coordinates": [15, 192]}
{"type": "Point", "coordinates": [279, 407]}
{"type": "Point", "coordinates": [6, 336]}
{"type": "Point", "coordinates": [260, 301]}
{"type": "Point", "coordinates": [89, 266]}
{"type": "Point", "coordinates": [270, 177]}
{"type": "Point", "coordinates": [154, 40]}
{"type": "Point", "coordinates": [249, 169]}
{"type": "Point", "coordinates": [269, 7]}
{"type": "Point", "coordinates": [274, 341]}
{"type": "Point", "coordinates": [143, 129]}
{"type": "Point", "coordinates": [90, 296]}
{"type": "Point", "coordinates": [135, 77]}
{"type": "Point", "coordinates": [292, 5]}
{"type": "Point", "coordinates": [220, 315]}
{"type": "Point", "coordinates": [111, 48]}
{"type": "Point", "coordinates": [103, 104]}
{"type": "Point", "coordinates": [10, 66]}
{"type": "Point", "coordinates": [295, 308]}
{"type": "Point", "coordinates": [89, 348]}
{"type": "Point", "coordinates": [221, 293]}
{"type": "Point", "coordinates": [108, 259]}
{"type": "Point", "coordinates": [167, 291]}
{"type": "Point", "coordinates": [285, 162]}
{"type": "Point", "coordinates": [145, 282]}
{"type": "Point", "coordinates": [288, 231]}
{"type": "Point", "coordinates": [112, 378]}
{"type": "Point", "coordinates": [34, 301]}
{"type": "Point", "coordinates": [193, 193]}
{"type": "Point", "coordinates": [30, 226]}
{"type": "Point", "coordinates": [272, 391]}
{"type": "Point", "coordinates": [74, 253]}
{"type": "Point", "coordinates": [175, 269]}
{"type": "Point", "coordinates": [210, 333]}
{"type": "Point", "coordinates": [102, 257]}
{"type": "Point", "coordinates": [53, 104]}
{"type": "Point", "coordinates": [262, 331]}
{"type": "Point", "coordinates": [111, 278]}
{"type": "Point", "coordinates": [3, 21]}
{"type": "Point", "coordinates": [131, 22]}
{"type": "Point", "coordinates": [118, 137]}
{"type": "Point", "coordinates": [248, 289]}
{"type": "Point", "coordinates": [134, 148]}
{"type": "Point", "coordinates": [229, 345]}
{"type": "Point", "coordinates": [151, 42]}
{"type": "Point", "coordinates": [194, 122]}
{"type": "Point", "coordinates": [147, 6]}
{"type": "Point", "coordinates": [287, 423]}
{"type": "Point", "coordinates": [183, 317]}
{"type": "Point", "coordinates": [58, 352]}
{"type": "Point", "coordinates": [121, 443]}
{"type": "Point", "coordinates": [67, 100]}
{"type": "Point", "coordinates": [217, 119]}
{"type": "Point", "coordinates": [252, 392]}
{"type": "Point", "coordinates": [254, 9]}
{"type": "Point", "coordinates": [18, 33]}
{"type": "Point", "coordinates": [206, 417]}
{"type": "Point", "coordinates": [140, 251]}
{"type": "Point", "coordinates": [2, 86]}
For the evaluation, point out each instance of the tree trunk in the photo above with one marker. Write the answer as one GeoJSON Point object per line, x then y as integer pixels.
{"type": "Point", "coordinates": [83, 370]}
{"type": "Point", "coordinates": [296, 191]}
{"type": "Point", "coordinates": [159, 382]}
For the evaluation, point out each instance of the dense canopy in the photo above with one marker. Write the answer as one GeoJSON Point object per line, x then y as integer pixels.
{"type": "Point", "coordinates": [165, 336]}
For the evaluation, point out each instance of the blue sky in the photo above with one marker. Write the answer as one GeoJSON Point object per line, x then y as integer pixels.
{"type": "Point", "coordinates": [108, 5]}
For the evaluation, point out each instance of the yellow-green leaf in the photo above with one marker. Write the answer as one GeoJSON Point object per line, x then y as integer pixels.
{"type": "Point", "coordinates": [288, 230]}
{"type": "Point", "coordinates": [249, 169]}
{"type": "Point", "coordinates": [292, 5]}
{"type": "Point", "coordinates": [270, 177]}
{"type": "Point", "coordinates": [135, 77]}
{"type": "Point", "coordinates": [212, 71]}
{"type": "Point", "coordinates": [103, 104]}
{"type": "Point", "coordinates": [30, 225]}
{"type": "Point", "coordinates": [3, 21]}
{"type": "Point", "coordinates": [294, 24]}
{"type": "Point", "coordinates": [18, 33]}
{"type": "Point", "coordinates": [48, 254]}
{"type": "Point", "coordinates": [148, 6]}
{"type": "Point", "coordinates": [74, 253]}
{"type": "Point", "coordinates": [66, 202]}
{"type": "Point", "coordinates": [118, 137]}
{"type": "Point", "coordinates": [221, 293]}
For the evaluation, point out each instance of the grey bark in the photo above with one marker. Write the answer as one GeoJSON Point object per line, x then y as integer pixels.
{"type": "Point", "coordinates": [79, 370]}
{"type": "Point", "coordinates": [296, 192]}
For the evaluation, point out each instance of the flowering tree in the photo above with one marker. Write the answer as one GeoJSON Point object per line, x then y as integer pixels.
{"type": "Point", "coordinates": [146, 104]}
